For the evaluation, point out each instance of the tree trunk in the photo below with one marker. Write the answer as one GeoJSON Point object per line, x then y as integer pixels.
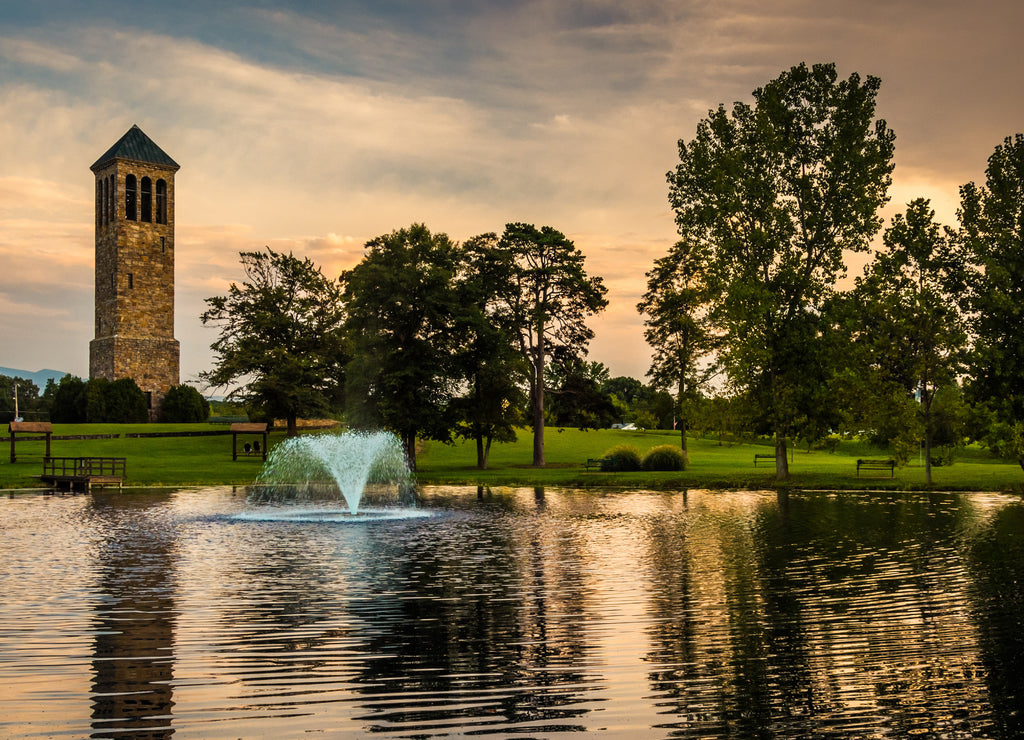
{"type": "Point", "coordinates": [781, 459]}
{"type": "Point", "coordinates": [537, 400]}
{"type": "Point", "coordinates": [927, 457]}
{"type": "Point", "coordinates": [487, 451]}
{"type": "Point", "coordinates": [538, 426]}
{"type": "Point", "coordinates": [680, 393]}
{"type": "Point", "coordinates": [481, 462]}
{"type": "Point", "coordinates": [293, 425]}
{"type": "Point", "coordinates": [409, 441]}
{"type": "Point", "coordinates": [926, 405]}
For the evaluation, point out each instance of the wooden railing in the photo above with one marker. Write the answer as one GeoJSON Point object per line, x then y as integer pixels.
{"type": "Point", "coordinates": [82, 467]}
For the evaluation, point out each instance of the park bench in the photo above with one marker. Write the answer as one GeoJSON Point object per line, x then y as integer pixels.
{"type": "Point", "coordinates": [249, 429]}
{"type": "Point", "coordinates": [889, 465]}
{"type": "Point", "coordinates": [764, 457]}
{"type": "Point", "coordinates": [601, 463]}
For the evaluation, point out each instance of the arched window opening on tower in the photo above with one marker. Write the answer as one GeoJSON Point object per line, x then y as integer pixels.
{"type": "Point", "coordinates": [105, 201]}
{"type": "Point", "coordinates": [112, 200]}
{"type": "Point", "coordinates": [129, 197]}
{"type": "Point", "coordinates": [147, 199]}
{"type": "Point", "coordinates": [101, 205]}
{"type": "Point", "coordinates": [161, 201]}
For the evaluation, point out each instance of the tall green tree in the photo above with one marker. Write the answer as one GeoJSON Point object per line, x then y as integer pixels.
{"type": "Point", "coordinates": [774, 194]}
{"type": "Point", "coordinates": [678, 328]}
{"type": "Point", "coordinates": [493, 372]}
{"type": "Point", "coordinates": [907, 299]}
{"type": "Point", "coordinates": [280, 343]}
{"type": "Point", "coordinates": [992, 225]}
{"type": "Point", "coordinates": [549, 300]}
{"type": "Point", "coordinates": [403, 323]}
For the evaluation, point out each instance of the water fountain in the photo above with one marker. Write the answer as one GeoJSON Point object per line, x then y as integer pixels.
{"type": "Point", "coordinates": [323, 470]}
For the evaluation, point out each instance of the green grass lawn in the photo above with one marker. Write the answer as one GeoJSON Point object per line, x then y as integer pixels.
{"type": "Point", "coordinates": [712, 465]}
{"type": "Point", "coordinates": [151, 461]}
{"type": "Point", "coordinates": [179, 461]}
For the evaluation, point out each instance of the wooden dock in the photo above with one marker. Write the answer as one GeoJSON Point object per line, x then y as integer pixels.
{"type": "Point", "coordinates": [82, 473]}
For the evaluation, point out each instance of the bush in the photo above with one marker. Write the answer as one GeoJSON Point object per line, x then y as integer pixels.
{"type": "Point", "coordinates": [123, 402]}
{"type": "Point", "coordinates": [98, 401]}
{"type": "Point", "coordinates": [183, 404]}
{"type": "Point", "coordinates": [665, 457]}
{"type": "Point", "coordinates": [625, 458]}
{"type": "Point", "coordinates": [66, 407]}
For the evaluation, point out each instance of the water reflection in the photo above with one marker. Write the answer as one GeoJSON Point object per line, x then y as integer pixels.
{"type": "Point", "coordinates": [133, 622]}
{"type": "Point", "coordinates": [515, 611]}
{"type": "Point", "coordinates": [995, 559]}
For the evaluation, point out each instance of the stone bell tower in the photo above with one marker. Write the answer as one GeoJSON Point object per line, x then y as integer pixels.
{"type": "Point", "coordinates": [135, 268]}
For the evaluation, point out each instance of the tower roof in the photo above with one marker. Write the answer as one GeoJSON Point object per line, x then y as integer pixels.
{"type": "Point", "coordinates": [135, 145]}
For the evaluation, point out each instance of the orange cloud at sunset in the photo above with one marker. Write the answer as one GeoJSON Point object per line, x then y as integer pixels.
{"type": "Point", "coordinates": [315, 130]}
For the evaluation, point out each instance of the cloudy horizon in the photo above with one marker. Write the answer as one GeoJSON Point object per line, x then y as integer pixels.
{"type": "Point", "coordinates": [313, 128]}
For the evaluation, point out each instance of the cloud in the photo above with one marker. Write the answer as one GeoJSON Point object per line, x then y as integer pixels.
{"type": "Point", "coordinates": [27, 52]}
{"type": "Point", "coordinates": [314, 131]}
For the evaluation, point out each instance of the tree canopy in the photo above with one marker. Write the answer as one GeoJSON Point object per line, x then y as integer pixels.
{"type": "Point", "coordinates": [992, 226]}
{"type": "Point", "coordinates": [774, 194]}
{"type": "Point", "coordinates": [909, 320]}
{"type": "Point", "coordinates": [678, 328]}
{"type": "Point", "coordinates": [280, 341]}
{"type": "Point", "coordinates": [548, 300]}
{"type": "Point", "coordinates": [403, 315]}
{"type": "Point", "coordinates": [493, 371]}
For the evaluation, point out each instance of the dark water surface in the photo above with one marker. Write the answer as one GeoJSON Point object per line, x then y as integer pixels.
{"type": "Point", "coordinates": [514, 613]}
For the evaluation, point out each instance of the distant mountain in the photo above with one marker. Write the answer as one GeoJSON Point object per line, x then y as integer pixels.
{"type": "Point", "coordinates": [39, 377]}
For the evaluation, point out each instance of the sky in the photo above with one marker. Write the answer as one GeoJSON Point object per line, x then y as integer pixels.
{"type": "Point", "coordinates": [313, 127]}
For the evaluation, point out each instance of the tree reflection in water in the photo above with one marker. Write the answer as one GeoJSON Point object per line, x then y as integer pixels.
{"type": "Point", "coordinates": [517, 611]}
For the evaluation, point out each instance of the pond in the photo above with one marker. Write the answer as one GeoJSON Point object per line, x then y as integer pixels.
{"type": "Point", "coordinates": [514, 612]}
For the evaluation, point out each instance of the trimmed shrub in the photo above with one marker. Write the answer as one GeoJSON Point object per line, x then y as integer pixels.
{"type": "Point", "coordinates": [123, 402]}
{"type": "Point", "coordinates": [625, 458]}
{"type": "Point", "coordinates": [665, 457]}
{"type": "Point", "coordinates": [184, 404]}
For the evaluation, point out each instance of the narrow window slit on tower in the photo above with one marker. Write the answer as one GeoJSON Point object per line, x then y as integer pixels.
{"type": "Point", "coordinates": [147, 200]}
{"type": "Point", "coordinates": [129, 197]}
{"type": "Point", "coordinates": [161, 201]}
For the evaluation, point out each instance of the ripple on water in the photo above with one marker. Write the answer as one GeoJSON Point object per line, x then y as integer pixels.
{"type": "Point", "coordinates": [514, 612]}
{"type": "Point", "coordinates": [342, 516]}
